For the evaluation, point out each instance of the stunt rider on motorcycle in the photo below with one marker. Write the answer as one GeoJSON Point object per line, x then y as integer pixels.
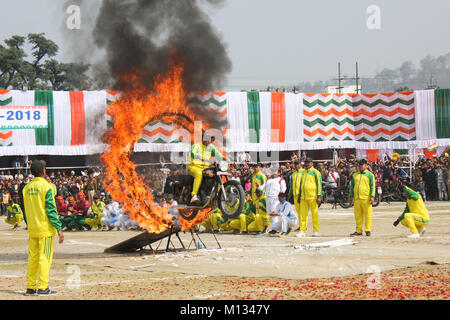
{"type": "Point", "coordinates": [200, 160]}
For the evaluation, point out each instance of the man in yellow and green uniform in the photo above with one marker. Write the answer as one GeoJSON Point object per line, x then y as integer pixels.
{"type": "Point", "coordinates": [309, 196]}
{"type": "Point", "coordinates": [14, 214]}
{"type": "Point", "coordinates": [200, 160]}
{"type": "Point", "coordinates": [262, 218]}
{"type": "Point", "coordinates": [294, 190]}
{"type": "Point", "coordinates": [362, 194]}
{"type": "Point", "coordinates": [415, 216]}
{"type": "Point", "coordinates": [97, 214]}
{"type": "Point", "coordinates": [258, 179]}
{"type": "Point", "coordinates": [216, 222]}
{"type": "Point", "coordinates": [43, 225]}
{"type": "Point", "coordinates": [247, 216]}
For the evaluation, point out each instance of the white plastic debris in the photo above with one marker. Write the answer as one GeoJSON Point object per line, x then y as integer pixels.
{"type": "Point", "coordinates": [142, 266]}
{"type": "Point", "coordinates": [328, 244]}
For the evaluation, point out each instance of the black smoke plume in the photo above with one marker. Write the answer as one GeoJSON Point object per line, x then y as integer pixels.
{"type": "Point", "coordinates": [142, 35]}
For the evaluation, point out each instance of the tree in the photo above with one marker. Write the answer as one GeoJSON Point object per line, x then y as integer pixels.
{"type": "Point", "coordinates": [42, 72]}
{"type": "Point", "coordinates": [401, 89]}
{"type": "Point", "coordinates": [11, 60]}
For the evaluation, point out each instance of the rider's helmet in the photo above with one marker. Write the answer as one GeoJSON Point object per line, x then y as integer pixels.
{"type": "Point", "coordinates": [207, 138]}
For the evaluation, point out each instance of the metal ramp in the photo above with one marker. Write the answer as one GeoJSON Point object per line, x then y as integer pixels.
{"type": "Point", "coordinates": [141, 241]}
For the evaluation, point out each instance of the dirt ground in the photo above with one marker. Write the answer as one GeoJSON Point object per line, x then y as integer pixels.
{"type": "Point", "coordinates": [387, 265]}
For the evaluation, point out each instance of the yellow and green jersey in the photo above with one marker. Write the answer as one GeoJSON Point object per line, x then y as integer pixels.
{"type": "Point", "coordinates": [310, 184]}
{"type": "Point", "coordinates": [261, 207]}
{"type": "Point", "coordinates": [295, 183]}
{"type": "Point", "coordinates": [199, 151]}
{"type": "Point", "coordinates": [249, 210]}
{"type": "Point", "coordinates": [415, 204]}
{"type": "Point", "coordinates": [258, 179]}
{"type": "Point", "coordinates": [39, 203]}
{"type": "Point", "coordinates": [362, 186]}
{"type": "Point", "coordinates": [98, 208]}
{"type": "Point", "coordinates": [13, 210]}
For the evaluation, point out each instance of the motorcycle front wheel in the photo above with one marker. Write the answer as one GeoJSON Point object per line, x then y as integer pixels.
{"type": "Point", "coordinates": [232, 207]}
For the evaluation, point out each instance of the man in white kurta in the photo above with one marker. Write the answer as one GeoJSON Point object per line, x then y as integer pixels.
{"type": "Point", "coordinates": [287, 214]}
{"type": "Point", "coordinates": [273, 186]}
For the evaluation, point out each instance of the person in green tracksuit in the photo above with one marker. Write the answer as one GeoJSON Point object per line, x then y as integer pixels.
{"type": "Point", "coordinates": [310, 196]}
{"type": "Point", "coordinates": [14, 215]}
{"type": "Point", "coordinates": [97, 209]}
{"type": "Point", "coordinates": [362, 193]}
{"type": "Point", "coordinates": [262, 218]}
{"type": "Point", "coordinates": [258, 179]}
{"type": "Point", "coordinates": [415, 216]}
{"type": "Point", "coordinates": [43, 224]}
{"type": "Point", "coordinates": [247, 216]}
{"type": "Point", "coordinates": [294, 190]}
{"type": "Point", "coordinates": [216, 222]}
{"type": "Point", "coordinates": [200, 160]}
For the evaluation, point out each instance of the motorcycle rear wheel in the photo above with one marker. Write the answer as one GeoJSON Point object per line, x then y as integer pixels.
{"type": "Point", "coordinates": [344, 199]}
{"type": "Point", "coordinates": [188, 214]}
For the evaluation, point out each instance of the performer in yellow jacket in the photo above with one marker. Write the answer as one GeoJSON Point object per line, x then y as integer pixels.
{"type": "Point", "coordinates": [362, 194]}
{"type": "Point", "coordinates": [247, 216]}
{"type": "Point", "coordinates": [258, 179]}
{"type": "Point", "coordinates": [14, 214]}
{"type": "Point", "coordinates": [294, 191]}
{"type": "Point", "coordinates": [200, 160]}
{"type": "Point", "coordinates": [309, 196]}
{"type": "Point", "coordinates": [216, 222]}
{"type": "Point", "coordinates": [97, 209]}
{"type": "Point", "coordinates": [262, 218]}
{"type": "Point", "coordinates": [43, 224]}
{"type": "Point", "coordinates": [415, 216]}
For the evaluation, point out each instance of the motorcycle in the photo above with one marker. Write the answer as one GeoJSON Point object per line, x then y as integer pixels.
{"type": "Point", "coordinates": [216, 190]}
{"type": "Point", "coordinates": [335, 195]}
{"type": "Point", "coordinates": [341, 195]}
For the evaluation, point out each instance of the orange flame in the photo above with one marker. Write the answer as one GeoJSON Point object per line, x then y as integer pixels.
{"type": "Point", "coordinates": [201, 217]}
{"type": "Point", "coordinates": [131, 113]}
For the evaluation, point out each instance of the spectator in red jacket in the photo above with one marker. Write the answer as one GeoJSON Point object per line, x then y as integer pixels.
{"type": "Point", "coordinates": [61, 207]}
{"type": "Point", "coordinates": [82, 206]}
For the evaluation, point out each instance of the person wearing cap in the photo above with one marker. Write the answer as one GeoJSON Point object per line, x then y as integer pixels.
{"type": "Point", "coordinates": [362, 195]}
{"type": "Point", "coordinates": [288, 216]}
{"type": "Point", "coordinates": [415, 216]}
{"type": "Point", "coordinates": [310, 194]}
{"type": "Point", "coordinates": [294, 190]}
{"type": "Point", "coordinates": [97, 209]}
{"type": "Point", "coordinates": [43, 224]}
{"type": "Point", "coordinates": [258, 179]}
{"type": "Point", "coordinates": [14, 215]}
{"type": "Point", "coordinates": [262, 219]}
{"type": "Point", "coordinates": [200, 159]}
{"type": "Point", "coordinates": [273, 187]}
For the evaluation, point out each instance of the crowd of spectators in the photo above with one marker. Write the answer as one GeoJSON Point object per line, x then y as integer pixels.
{"type": "Point", "coordinates": [430, 177]}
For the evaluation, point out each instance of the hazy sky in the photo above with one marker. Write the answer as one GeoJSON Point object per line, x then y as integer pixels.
{"type": "Point", "coordinates": [288, 41]}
